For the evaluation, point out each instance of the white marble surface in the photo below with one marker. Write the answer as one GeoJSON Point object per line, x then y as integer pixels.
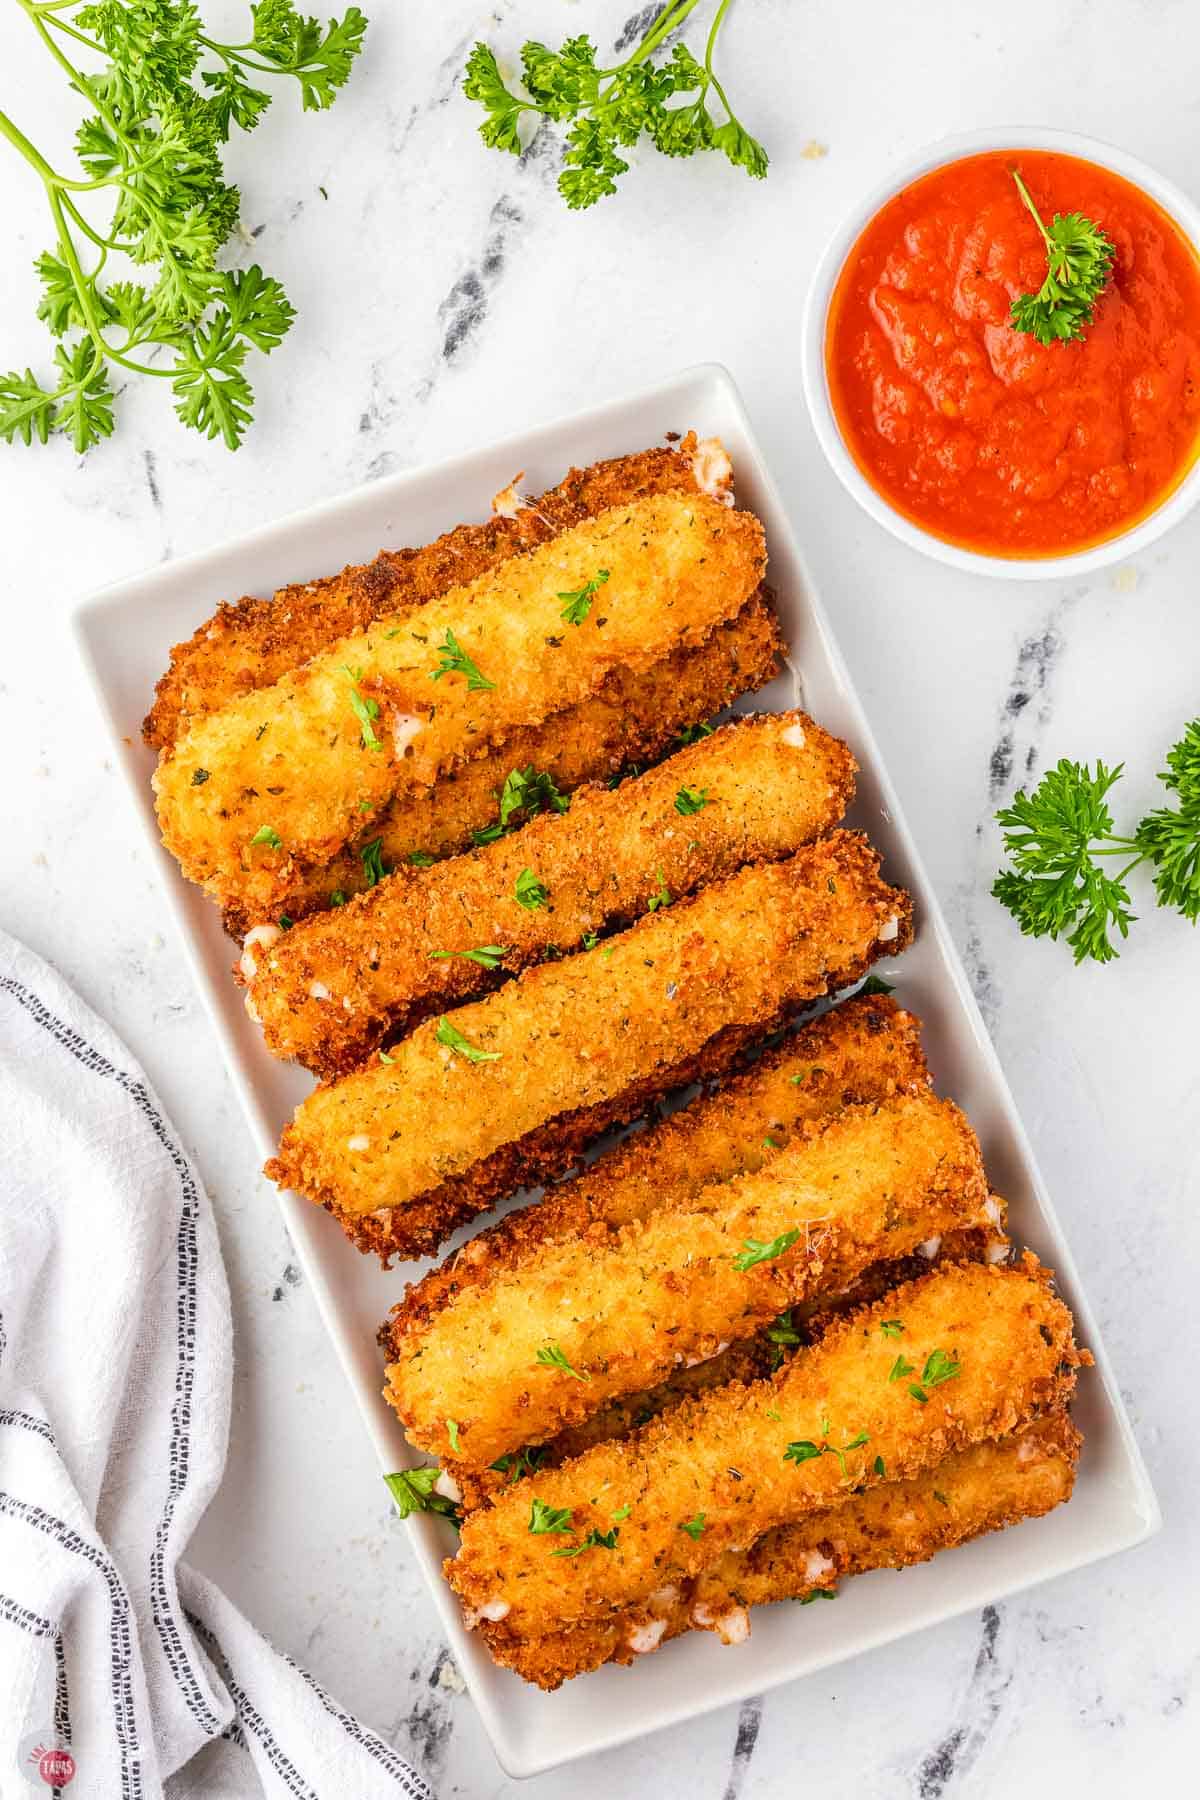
{"type": "Point", "coordinates": [445, 297]}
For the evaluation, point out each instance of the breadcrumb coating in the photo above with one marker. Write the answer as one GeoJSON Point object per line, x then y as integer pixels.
{"type": "Point", "coordinates": [328, 992]}
{"type": "Point", "coordinates": [635, 717]}
{"type": "Point", "coordinates": [987, 1487]}
{"type": "Point", "coordinates": [255, 642]}
{"type": "Point", "coordinates": [436, 1134]}
{"type": "Point", "coordinates": [1007, 1340]}
{"type": "Point", "coordinates": [281, 778]}
{"type": "Point", "coordinates": [623, 1308]}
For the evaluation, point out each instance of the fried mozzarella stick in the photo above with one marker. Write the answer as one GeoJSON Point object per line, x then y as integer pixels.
{"type": "Point", "coordinates": [281, 777]}
{"type": "Point", "coordinates": [867, 1048]}
{"type": "Point", "coordinates": [635, 717]}
{"type": "Point", "coordinates": [254, 643]}
{"type": "Point", "coordinates": [746, 1359]}
{"type": "Point", "coordinates": [619, 1311]}
{"type": "Point", "coordinates": [328, 993]}
{"type": "Point", "coordinates": [898, 1524]}
{"type": "Point", "coordinates": [506, 1092]}
{"type": "Point", "coordinates": [971, 1353]}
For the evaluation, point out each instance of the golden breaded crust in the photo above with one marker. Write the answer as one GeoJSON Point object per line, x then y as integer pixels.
{"type": "Point", "coordinates": [329, 992]}
{"type": "Point", "coordinates": [866, 1049]}
{"type": "Point", "coordinates": [896, 1525]}
{"type": "Point", "coordinates": [635, 717]}
{"type": "Point", "coordinates": [280, 778]}
{"type": "Point", "coordinates": [747, 1359]}
{"type": "Point", "coordinates": [625, 1306]}
{"type": "Point", "coordinates": [1007, 1338]}
{"type": "Point", "coordinates": [255, 642]}
{"type": "Point", "coordinates": [435, 1136]}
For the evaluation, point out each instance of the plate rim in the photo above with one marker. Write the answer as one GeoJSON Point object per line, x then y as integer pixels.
{"type": "Point", "coordinates": [95, 609]}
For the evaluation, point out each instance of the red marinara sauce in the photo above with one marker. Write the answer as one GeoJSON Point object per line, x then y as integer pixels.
{"type": "Point", "coordinates": [977, 432]}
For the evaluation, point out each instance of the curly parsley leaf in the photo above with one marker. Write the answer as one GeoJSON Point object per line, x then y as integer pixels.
{"type": "Point", "coordinates": [608, 111]}
{"type": "Point", "coordinates": [488, 956]}
{"type": "Point", "coordinates": [690, 800]}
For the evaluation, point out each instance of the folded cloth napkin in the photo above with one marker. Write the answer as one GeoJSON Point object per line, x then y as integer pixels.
{"type": "Point", "coordinates": [128, 1675]}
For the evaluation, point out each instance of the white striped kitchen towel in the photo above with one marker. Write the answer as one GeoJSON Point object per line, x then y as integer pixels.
{"type": "Point", "coordinates": [127, 1674]}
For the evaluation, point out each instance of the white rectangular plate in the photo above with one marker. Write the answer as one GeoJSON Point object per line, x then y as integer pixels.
{"type": "Point", "coordinates": [125, 635]}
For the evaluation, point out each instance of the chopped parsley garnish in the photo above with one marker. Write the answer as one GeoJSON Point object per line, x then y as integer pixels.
{"type": "Point", "coordinates": [783, 1331]}
{"type": "Point", "coordinates": [420, 859]}
{"type": "Point", "coordinates": [286, 922]}
{"type": "Point", "coordinates": [891, 1328]}
{"type": "Point", "coordinates": [385, 1058]}
{"type": "Point", "coordinates": [818, 1594]}
{"type": "Point", "coordinates": [806, 1075]}
{"type": "Point", "coordinates": [875, 984]}
{"type": "Point", "coordinates": [595, 1540]}
{"type": "Point", "coordinates": [488, 956]}
{"type": "Point", "coordinates": [690, 800]}
{"type": "Point", "coordinates": [754, 1252]}
{"type": "Point", "coordinates": [413, 1491]}
{"type": "Point", "coordinates": [553, 1356]}
{"type": "Point", "coordinates": [691, 734]}
{"type": "Point", "coordinates": [663, 896]}
{"type": "Point", "coordinates": [900, 1369]}
{"type": "Point", "coordinates": [372, 861]}
{"type": "Point", "coordinates": [199, 777]}
{"type": "Point", "coordinates": [543, 1518]}
{"type": "Point", "coordinates": [589, 940]}
{"type": "Point", "coordinates": [454, 1040]}
{"type": "Point", "coordinates": [455, 661]}
{"type": "Point", "coordinates": [805, 1450]}
{"type": "Point", "coordinates": [452, 1434]}
{"type": "Point", "coordinates": [530, 892]}
{"type": "Point", "coordinates": [879, 1466]}
{"type": "Point", "coordinates": [366, 711]}
{"type": "Point", "coordinates": [938, 1368]}
{"type": "Point", "coordinates": [693, 1526]}
{"type": "Point", "coordinates": [770, 1143]}
{"type": "Point", "coordinates": [579, 603]}
{"type": "Point", "coordinates": [518, 1463]}
{"type": "Point", "coordinates": [622, 1512]}
{"type": "Point", "coordinates": [338, 897]}
{"type": "Point", "coordinates": [530, 791]}
{"type": "Point", "coordinates": [267, 834]}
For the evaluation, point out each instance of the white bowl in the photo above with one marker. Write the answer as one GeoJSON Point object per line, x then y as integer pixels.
{"type": "Point", "coordinates": [816, 387]}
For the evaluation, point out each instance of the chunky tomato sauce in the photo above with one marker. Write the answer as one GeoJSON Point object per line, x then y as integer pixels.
{"type": "Point", "coordinates": [979, 433]}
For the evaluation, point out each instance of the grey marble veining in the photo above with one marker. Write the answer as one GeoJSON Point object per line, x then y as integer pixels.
{"type": "Point", "coordinates": [445, 297]}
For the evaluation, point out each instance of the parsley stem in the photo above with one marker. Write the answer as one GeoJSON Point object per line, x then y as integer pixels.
{"type": "Point", "coordinates": [708, 51]}
{"type": "Point", "coordinates": [673, 16]}
{"type": "Point", "coordinates": [83, 292]}
{"type": "Point", "coordinates": [1028, 199]}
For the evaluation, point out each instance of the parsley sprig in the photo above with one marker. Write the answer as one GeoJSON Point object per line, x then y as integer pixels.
{"type": "Point", "coordinates": [608, 110]}
{"type": "Point", "coordinates": [162, 97]}
{"type": "Point", "coordinates": [1059, 836]}
{"type": "Point", "coordinates": [1079, 258]}
{"type": "Point", "coordinates": [453, 1039]}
